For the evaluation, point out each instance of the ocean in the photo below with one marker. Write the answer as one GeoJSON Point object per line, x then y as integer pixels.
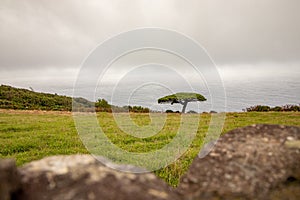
{"type": "Point", "coordinates": [240, 92]}
{"type": "Point", "coordinates": [143, 88]}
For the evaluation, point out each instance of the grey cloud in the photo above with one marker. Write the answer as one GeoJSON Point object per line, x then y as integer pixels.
{"type": "Point", "coordinates": [42, 34]}
{"type": "Point", "coordinates": [245, 31]}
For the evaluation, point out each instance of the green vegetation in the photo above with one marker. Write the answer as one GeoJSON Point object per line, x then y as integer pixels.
{"type": "Point", "coordinates": [31, 135]}
{"type": "Point", "coordinates": [171, 111]}
{"type": "Point", "coordinates": [15, 98]}
{"type": "Point", "coordinates": [285, 108]}
{"type": "Point", "coordinates": [183, 98]}
{"type": "Point", "coordinates": [103, 106]}
{"type": "Point", "coordinates": [23, 99]}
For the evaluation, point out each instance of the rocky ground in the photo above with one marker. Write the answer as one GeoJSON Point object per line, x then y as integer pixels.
{"type": "Point", "coordinates": [255, 162]}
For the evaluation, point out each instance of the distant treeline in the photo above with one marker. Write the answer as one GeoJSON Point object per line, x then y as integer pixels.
{"type": "Point", "coordinates": [285, 108]}
{"type": "Point", "coordinates": [103, 106]}
{"type": "Point", "coordinates": [23, 99]}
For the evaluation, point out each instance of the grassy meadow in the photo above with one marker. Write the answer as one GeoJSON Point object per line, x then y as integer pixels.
{"type": "Point", "coordinates": [32, 135]}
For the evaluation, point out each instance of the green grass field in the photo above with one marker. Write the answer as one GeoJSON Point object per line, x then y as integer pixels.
{"type": "Point", "coordinates": [32, 135]}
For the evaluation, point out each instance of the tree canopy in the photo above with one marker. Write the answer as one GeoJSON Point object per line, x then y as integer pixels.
{"type": "Point", "coordinates": [183, 98]}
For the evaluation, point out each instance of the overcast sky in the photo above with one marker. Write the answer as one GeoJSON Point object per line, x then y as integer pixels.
{"type": "Point", "coordinates": [47, 41]}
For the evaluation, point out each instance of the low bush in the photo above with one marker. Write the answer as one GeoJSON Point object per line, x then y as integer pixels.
{"type": "Point", "coordinates": [285, 108]}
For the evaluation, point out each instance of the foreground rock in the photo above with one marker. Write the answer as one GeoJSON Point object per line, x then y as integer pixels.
{"type": "Point", "coordinates": [256, 162]}
{"type": "Point", "coordinates": [83, 177]}
{"type": "Point", "coordinates": [9, 179]}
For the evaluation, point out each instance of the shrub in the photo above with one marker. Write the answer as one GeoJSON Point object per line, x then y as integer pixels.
{"type": "Point", "coordinates": [286, 108]}
{"type": "Point", "coordinates": [169, 111]}
{"type": "Point", "coordinates": [192, 112]}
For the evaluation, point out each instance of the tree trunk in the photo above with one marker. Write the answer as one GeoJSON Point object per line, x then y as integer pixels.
{"type": "Point", "coordinates": [184, 106]}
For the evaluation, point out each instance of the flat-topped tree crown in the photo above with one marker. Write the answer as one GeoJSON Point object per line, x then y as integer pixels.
{"type": "Point", "coordinates": [182, 98]}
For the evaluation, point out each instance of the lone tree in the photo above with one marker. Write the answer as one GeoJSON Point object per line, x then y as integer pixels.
{"type": "Point", "coordinates": [183, 98]}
